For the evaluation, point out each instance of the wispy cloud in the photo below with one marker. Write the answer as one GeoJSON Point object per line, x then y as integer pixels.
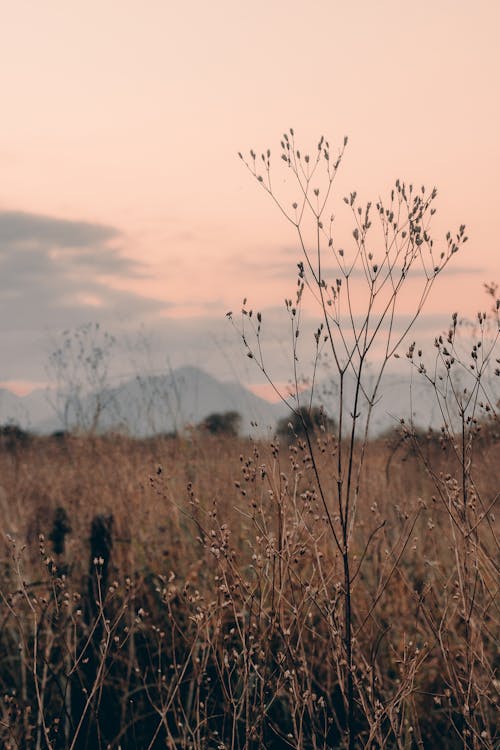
{"type": "Point", "coordinates": [56, 272]}
{"type": "Point", "coordinates": [18, 228]}
{"type": "Point", "coordinates": [282, 264]}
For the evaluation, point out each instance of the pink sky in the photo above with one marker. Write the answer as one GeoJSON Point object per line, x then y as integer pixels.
{"type": "Point", "coordinates": [130, 114]}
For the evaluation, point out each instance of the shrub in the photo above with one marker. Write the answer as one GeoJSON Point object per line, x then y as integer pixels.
{"type": "Point", "coordinates": [305, 420]}
{"type": "Point", "coordinates": [225, 423]}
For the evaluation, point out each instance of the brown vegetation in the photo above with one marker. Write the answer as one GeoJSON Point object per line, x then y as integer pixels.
{"type": "Point", "coordinates": [211, 615]}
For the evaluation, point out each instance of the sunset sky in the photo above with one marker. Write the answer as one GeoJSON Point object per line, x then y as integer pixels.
{"type": "Point", "coordinates": [123, 201]}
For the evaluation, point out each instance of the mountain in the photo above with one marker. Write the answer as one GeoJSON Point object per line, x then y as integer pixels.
{"type": "Point", "coordinates": [26, 411]}
{"type": "Point", "coordinates": [151, 404]}
{"type": "Point", "coordinates": [398, 398]}
{"type": "Point", "coordinates": [147, 405]}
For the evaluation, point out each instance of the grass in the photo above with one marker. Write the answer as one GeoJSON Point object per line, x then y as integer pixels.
{"type": "Point", "coordinates": [212, 616]}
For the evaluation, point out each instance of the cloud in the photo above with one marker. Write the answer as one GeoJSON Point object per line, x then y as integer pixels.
{"type": "Point", "coordinates": [281, 263]}
{"type": "Point", "coordinates": [57, 273]}
{"type": "Point", "coordinates": [78, 242]}
{"type": "Point", "coordinates": [18, 228]}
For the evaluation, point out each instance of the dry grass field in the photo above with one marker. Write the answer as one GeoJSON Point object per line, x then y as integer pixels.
{"type": "Point", "coordinates": [185, 593]}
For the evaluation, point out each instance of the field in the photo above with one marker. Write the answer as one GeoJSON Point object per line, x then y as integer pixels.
{"type": "Point", "coordinates": [186, 592]}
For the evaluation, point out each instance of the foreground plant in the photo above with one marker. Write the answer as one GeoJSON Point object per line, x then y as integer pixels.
{"type": "Point", "coordinates": [462, 376]}
{"type": "Point", "coordinates": [356, 293]}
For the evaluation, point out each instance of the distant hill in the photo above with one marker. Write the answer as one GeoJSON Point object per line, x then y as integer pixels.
{"type": "Point", "coordinates": [398, 398]}
{"type": "Point", "coordinates": [152, 404]}
{"type": "Point", "coordinates": [26, 411]}
{"type": "Point", "coordinates": [147, 405]}
{"type": "Point", "coordinates": [165, 403]}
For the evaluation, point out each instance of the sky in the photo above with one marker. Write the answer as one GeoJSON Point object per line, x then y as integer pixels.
{"type": "Point", "coordinates": [123, 200]}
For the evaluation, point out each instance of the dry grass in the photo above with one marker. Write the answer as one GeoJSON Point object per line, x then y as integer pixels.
{"type": "Point", "coordinates": [214, 617]}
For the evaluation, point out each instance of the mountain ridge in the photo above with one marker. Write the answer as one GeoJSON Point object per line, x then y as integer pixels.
{"type": "Point", "coordinates": [145, 405]}
{"type": "Point", "coordinates": [162, 403]}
